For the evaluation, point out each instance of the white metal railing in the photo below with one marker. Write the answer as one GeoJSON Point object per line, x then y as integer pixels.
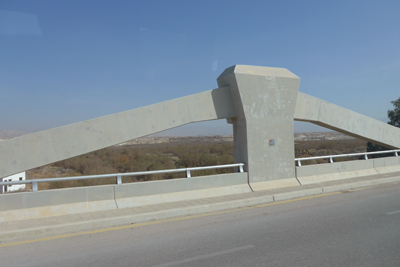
{"type": "Point", "coordinates": [365, 154]}
{"type": "Point", "coordinates": [120, 175]}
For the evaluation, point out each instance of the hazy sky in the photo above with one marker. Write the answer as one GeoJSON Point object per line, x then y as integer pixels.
{"type": "Point", "coordinates": [67, 61]}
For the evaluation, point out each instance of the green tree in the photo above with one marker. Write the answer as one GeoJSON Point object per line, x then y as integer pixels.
{"type": "Point", "coordinates": [394, 115]}
{"type": "Point", "coordinates": [394, 119]}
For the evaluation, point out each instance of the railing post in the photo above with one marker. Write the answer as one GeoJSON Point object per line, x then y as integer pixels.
{"type": "Point", "coordinates": [119, 179]}
{"type": "Point", "coordinates": [396, 153]}
{"type": "Point", "coordinates": [34, 186]}
{"type": "Point", "coordinates": [299, 163]}
{"type": "Point", "coordinates": [366, 156]}
{"type": "Point", "coordinates": [188, 173]}
{"type": "Point", "coordinates": [330, 159]}
{"type": "Point", "coordinates": [241, 168]}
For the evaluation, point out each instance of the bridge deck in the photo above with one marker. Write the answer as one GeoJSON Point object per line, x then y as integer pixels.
{"type": "Point", "coordinates": [68, 224]}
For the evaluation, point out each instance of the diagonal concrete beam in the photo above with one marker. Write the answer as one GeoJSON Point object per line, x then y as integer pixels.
{"type": "Point", "coordinates": [325, 114]}
{"type": "Point", "coordinates": [41, 148]}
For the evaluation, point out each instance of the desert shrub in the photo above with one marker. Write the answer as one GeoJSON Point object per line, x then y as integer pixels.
{"type": "Point", "coordinates": [148, 157]}
{"type": "Point", "coordinates": [134, 158]}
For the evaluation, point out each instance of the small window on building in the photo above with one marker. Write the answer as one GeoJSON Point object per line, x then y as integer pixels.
{"type": "Point", "coordinates": [20, 178]}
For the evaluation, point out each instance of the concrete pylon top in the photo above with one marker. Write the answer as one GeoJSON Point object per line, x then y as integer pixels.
{"type": "Point", "coordinates": [257, 70]}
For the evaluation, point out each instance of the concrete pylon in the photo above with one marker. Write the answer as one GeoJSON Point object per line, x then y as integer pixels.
{"type": "Point", "coordinates": [265, 101]}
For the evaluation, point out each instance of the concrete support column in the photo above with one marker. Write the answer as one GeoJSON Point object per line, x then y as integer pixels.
{"type": "Point", "coordinates": [265, 101]}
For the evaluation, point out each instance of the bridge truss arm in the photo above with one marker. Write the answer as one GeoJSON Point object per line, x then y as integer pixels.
{"type": "Point", "coordinates": [49, 146]}
{"type": "Point", "coordinates": [328, 115]}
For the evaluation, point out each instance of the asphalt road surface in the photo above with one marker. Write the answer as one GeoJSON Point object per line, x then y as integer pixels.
{"type": "Point", "coordinates": [355, 228]}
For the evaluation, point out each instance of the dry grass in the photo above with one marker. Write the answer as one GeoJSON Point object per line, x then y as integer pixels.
{"type": "Point", "coordinates": [135, 158]}
{"type": "Point", "coordinates": [331, 147]}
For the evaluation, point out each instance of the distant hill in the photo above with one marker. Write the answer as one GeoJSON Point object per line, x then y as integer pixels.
{"type": "Point", "coordinates": [314, 136]}
{"type": "Point", "coordinates": [7, 134]}
{"type": "Point", "coordinates": [317, 136]}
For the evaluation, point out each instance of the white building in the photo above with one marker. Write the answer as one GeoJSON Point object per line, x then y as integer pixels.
{"type": "Point", "coordinates": [10, 188]}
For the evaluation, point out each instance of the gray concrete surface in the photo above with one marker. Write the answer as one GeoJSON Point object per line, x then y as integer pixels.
{"type": "Point", "coordinates": [387, 165]}
{"type": "Point", "coordinates": [41, 148]}
{"type": "Point", "coordinates": [265, 101]}
{"type": "Point", "coordinates": [69, 201]}
{"type": "Point", "coordinates": [47, 203]}
{"type": "Point", "coordinates": [352, 228]}
{"type": "Point", "coordinates": [260, 102]}
{"type": "Point", "coordinates": [328, 115]}
{"type": "Point", "coordinates": [57, 225]}
{"type": "Point", "coordinates": [335, 171]}
{"type": "Point", "coordinates": [315, 173]}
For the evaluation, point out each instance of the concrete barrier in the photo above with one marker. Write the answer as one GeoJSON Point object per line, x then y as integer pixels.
{"type": "Point", "coordinates": [343, 170]}
{"type": "Point", "coordinates": [280, 183]}
{"type": "Point", "coordinates": [387, 165]}
{"type": "Point", "coordinates": [30, 205]}
{"type": "Point", "coordinates": [317, 173]}
{"type": "Point", "coordinates": [154, 192]}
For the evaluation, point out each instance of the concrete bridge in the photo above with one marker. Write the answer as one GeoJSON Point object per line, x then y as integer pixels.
{"type": "Point", "coordinates": [260, 102]}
